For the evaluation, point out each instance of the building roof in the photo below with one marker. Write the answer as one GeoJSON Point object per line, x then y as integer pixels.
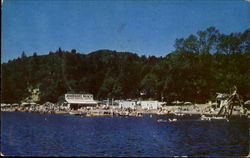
{"type": "Point", "coordinates": [80, 99]}
{"type": "Point", "coordinates": [187, 103]}
{"type": "Point", "coordinates": [222, 96]}
{"type": "Point", "coordinates": [247, 102]}
{"type": "Point", "coordinates": [177, 102]}
{"type": "Point", "coordinates": [149, 101]}
{"type": "Point", "coordinates": [5, 105]}
{"type": "Point", "coordinates": [87, 102]}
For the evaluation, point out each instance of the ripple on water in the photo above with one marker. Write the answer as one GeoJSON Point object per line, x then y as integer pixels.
{"type": "Point", "coordinates": [27, 134]}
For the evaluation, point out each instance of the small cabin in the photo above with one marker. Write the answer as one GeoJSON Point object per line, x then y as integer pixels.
{"type": "Point", "coordinates": [150, 104]}
{"type": "Point", "coordinates": [127, 104]}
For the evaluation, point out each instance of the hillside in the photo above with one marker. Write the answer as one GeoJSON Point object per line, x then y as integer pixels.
{"type": "Point", "coordinates": [201, 65]}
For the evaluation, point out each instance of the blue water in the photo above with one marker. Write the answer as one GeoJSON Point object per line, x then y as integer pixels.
{"type": "Point", "coordinates": [30, 134]}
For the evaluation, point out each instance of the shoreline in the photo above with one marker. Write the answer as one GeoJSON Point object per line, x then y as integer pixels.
{"type": "Point", "coordinates": [97, 111]}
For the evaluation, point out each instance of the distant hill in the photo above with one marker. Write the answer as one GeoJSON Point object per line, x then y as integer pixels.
{"type": "Point", "coordinates": [200, 66]}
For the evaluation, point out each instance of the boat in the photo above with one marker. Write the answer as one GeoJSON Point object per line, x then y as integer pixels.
{"type": "Point", "coordinates": [75, 113]}
{"type": "Point", "coordinates": [173, 120]}
{"type": "Point", "coordinates": [161, 120]}
{"type": "Point", "coordinates": [203, 117]}
{"type": "Point", "coordinates": [169, 120]}
{"type": "Point", "coordinates": [179, 114]}
{"type": "Point", "coordinates": [61, 112]}
{"type": "Point", "coordinates": [218, 118]}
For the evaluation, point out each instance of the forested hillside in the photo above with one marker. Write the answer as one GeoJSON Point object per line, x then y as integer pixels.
{"type": "Point", "coordinates": [201, 65]}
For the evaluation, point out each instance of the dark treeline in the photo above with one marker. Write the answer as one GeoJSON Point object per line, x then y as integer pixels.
{"type": "Point", "coordinates": [201, 65]}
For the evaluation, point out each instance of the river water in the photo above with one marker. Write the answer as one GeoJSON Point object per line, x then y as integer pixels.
{"type": "Point", "coordinates": [30, 134]}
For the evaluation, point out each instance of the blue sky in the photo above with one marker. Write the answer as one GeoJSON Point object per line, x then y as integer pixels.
{"type": "Point", "coordinates": [145, 27]}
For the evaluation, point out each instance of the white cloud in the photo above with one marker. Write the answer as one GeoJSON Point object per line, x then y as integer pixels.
{"type": "Point", "coordinates": [247, 0]}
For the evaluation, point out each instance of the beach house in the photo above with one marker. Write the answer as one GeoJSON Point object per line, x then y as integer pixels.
{"type": "Point", "coordinates": [76, 101]}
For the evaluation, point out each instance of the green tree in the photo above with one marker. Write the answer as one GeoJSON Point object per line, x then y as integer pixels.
{"type": "Point", "coordinates": [23, 55]}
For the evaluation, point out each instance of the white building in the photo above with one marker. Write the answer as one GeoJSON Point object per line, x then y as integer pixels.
{"type": "Point", "coordinates": [150, 104]}
{"type": "Point", "coordinates": [127, 104]}
{"type": "Point", "coordinates": [80, 100]}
